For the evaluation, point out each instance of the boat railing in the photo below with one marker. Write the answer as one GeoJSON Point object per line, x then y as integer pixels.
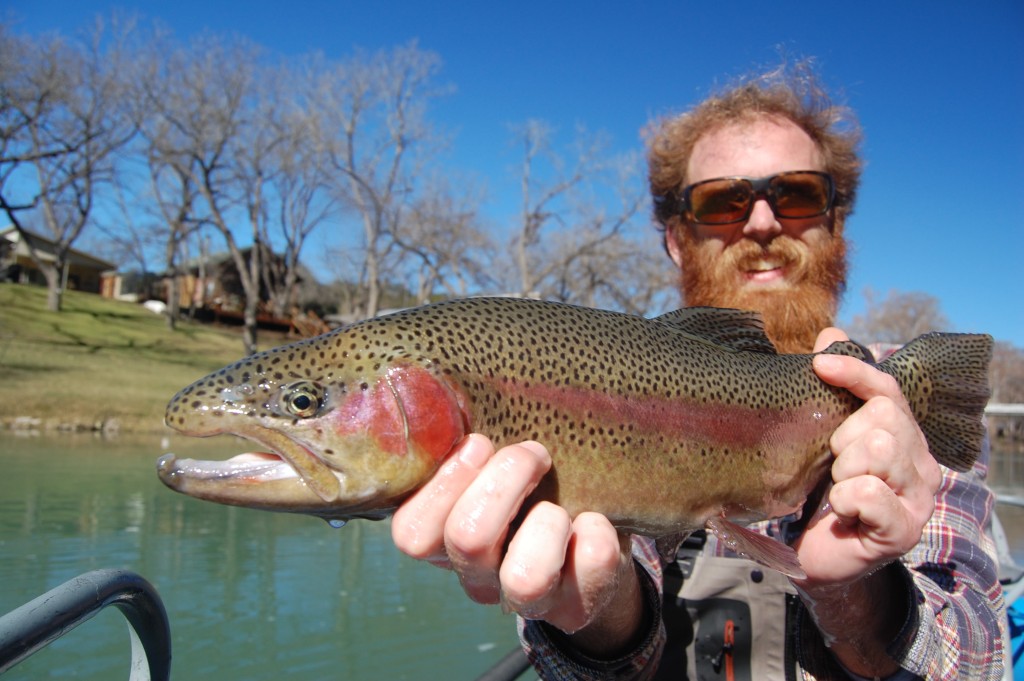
{"type": "Point", "coordinates": [508, 668]}
{"type": "Point", "coordinates": [31, 627]}
{"type": "Point", "coordinates": [1004, 409]}
{"type": "Point", "coordinates": [28, 629]}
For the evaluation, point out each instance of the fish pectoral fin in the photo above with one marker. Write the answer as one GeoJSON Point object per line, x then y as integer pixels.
{"type": "Point", "coordinates": [757, 547]}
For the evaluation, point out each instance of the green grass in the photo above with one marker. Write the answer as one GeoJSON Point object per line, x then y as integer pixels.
{"type": "Point", "coordinates": [99, 360]}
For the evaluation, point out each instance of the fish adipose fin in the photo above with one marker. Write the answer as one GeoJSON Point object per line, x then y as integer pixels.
{"type": "Point", "coordinates": [944, 377]}
{"type": "Point", "coordinates": [757, 547]}
{"type": "Point", "coordinates": [725, 327]}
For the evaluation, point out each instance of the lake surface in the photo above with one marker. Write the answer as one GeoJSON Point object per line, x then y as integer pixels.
{"type": "Point", "coordinates": [249, 594]}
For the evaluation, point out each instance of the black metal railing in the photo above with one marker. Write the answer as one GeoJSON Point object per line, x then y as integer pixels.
{"type": "Point", "coordinates": [41, 621]}
{"type": "Point", "coordinates": [508, 668]}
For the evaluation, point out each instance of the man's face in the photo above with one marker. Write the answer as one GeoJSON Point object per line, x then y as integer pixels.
{"type": "Point", "coordinates": [793, 271]}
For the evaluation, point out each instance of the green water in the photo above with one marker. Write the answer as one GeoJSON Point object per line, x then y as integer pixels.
{"type": "Point", "coordinates": [249, 594]}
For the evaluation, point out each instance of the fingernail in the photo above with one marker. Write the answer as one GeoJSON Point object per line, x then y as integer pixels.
{"type": "Point", "coordinates": [475, 451]}
{"type": "Point", "coordinates": [441, 560]}
{"type": "Point", "coordinates": [537, 448]}
{"type": "Point", "coordinates": [827, 362]}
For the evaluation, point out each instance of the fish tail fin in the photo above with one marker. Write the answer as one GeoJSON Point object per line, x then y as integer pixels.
{"type": "Point", "coordinates": [944, 377]}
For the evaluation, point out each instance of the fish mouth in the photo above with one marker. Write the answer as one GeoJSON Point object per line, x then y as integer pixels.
{"type": "Point", "coordinates": [254, 466]}
{"type": "Point", "coordinates": [290, 467]}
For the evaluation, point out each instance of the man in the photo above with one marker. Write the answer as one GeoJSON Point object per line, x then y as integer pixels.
{"type": "Point", "coordinates": [900, 577]}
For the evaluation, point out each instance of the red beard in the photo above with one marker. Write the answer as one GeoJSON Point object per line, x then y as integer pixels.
{"type": "Point", "coordinates": [793, 314]}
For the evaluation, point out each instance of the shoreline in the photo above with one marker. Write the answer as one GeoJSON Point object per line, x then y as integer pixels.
{"type": "Point", "coordinates": [110, 426]}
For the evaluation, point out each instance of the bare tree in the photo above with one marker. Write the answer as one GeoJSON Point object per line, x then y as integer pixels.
{"type": "Point", "coordinates": [264, 156]}
{"type": "Point", "coordinates": [1006, 373]}
{"type": "Point", "coordinates": [175, 193]}
{"type": "Point", "coordinates": [157, 102]}
{"type": "Point", "coordinates": [301, 187]}
{"type": "Point", "coordinates": [254, 163]}
{"type": "Point", "coordinates": [898, 317]}
{"type": "Point", "coordinates": [228, 134]}
{"type": "Point", "coordinates": [63, 122]}
{"type": "Point", "coordinates": [601, 261]}
{"type": "Point", "coordinates": [539, 197]}
{"type": "Point", "coordinates": [582, 226]}
{"type": "Point", "coordinates": [16, 56]}
{"type": "Point", "coordinates": [370, 116]}
{"type": "Point", "coordinates": [442, 244]}
{"type": "Point", "coordinates": [617, 273]}
{"type": "Point", "coordinates": [203, 124]}
{"type": "Point", "coordinates": [125, 237]}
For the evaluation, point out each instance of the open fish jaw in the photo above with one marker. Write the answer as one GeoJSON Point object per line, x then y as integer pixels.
{"type": "Point", "coordinates": [251, 465]}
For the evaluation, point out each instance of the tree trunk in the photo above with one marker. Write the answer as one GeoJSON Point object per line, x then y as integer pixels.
{"type": "Point", "coordinates": [54, 292]}
{"type": "Point", "coordinates": [251, 325]}
{"type": "Point", "coordinates": [173, 295]}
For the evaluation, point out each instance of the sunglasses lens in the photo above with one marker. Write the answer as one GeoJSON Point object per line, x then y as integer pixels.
{"type": "Point", "coordinates": [800, 195]}
{"type": "Point", "coordinates": [719, 202]}
{"type": "Point", "coordinates": [727, 200]}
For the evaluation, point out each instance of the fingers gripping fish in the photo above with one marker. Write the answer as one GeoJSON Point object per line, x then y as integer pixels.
{"type": "Point", "coordinates": [667, 425]}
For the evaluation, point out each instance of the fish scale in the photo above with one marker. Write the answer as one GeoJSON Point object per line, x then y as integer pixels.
{"type": "Point", "coordinates": [664, 425]}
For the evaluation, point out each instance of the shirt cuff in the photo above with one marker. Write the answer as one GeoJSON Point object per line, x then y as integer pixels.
{"type": "Point", "coordinates": [552, 654]}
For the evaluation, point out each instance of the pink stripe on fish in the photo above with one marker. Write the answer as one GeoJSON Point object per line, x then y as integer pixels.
{"type": "Point", "coordinates": [713, 424]}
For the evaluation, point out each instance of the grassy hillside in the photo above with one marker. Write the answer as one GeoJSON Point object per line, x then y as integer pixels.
{"type": "Point", "coordinates": [98, 361]}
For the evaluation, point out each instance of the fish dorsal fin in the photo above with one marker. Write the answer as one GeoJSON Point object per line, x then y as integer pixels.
{"type": "Point", "coordinates": [733, 329]}
{"type": "Point", "coordinates": [850, 348]}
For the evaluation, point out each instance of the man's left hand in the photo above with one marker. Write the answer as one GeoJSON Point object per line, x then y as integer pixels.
{"type": "Point", "coordinates": [885, 477]}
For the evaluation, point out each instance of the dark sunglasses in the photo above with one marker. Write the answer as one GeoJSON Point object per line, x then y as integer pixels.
{"type": "Point", "coordinates": [725, 200]}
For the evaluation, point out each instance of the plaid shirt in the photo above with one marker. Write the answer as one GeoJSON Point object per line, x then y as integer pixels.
{"type": "Point", "coordinates": [955, 629]}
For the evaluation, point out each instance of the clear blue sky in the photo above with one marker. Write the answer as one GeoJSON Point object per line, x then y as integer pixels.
{"type": "Point", "coordinates": [938, 86]}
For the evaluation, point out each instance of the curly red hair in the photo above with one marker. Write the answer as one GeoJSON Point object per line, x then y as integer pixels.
{"type": "Point", "coordinates": [792, 94]}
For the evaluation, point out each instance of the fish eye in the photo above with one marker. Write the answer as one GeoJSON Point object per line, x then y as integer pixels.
{"type": "Point", "coordinates": [301, 400]}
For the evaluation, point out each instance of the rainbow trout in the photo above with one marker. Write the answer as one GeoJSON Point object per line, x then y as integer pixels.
{"type": "Point", "coordinates": [666, 425]}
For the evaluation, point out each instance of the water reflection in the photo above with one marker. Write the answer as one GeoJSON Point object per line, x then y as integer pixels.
{"type": "Point", "coordinates": [250, 595]}
{"type": "Point", "coordinates": [1006, 476]}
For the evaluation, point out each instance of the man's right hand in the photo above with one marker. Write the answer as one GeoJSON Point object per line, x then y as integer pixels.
{"type": "Point", "coordinates": [576, 574]}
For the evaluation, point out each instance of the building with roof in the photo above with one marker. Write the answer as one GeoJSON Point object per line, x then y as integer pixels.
{"type": "Point", "coordinates": [82, 272]}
